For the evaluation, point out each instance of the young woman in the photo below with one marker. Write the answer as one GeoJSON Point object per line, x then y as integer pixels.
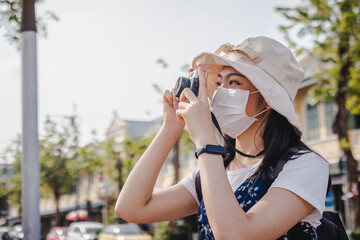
{"type": "Point", "coordinates": [253, 104]}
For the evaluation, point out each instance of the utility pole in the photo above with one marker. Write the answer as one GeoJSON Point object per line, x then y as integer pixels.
{"type": "Point", "coordinates": [30, 163]}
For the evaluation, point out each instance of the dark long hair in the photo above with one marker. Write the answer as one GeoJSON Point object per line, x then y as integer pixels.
{"type": "Point", "coordinates": [279, 136]}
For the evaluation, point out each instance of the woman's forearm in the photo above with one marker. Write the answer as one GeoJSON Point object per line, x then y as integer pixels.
{"type": "Point", "coordinates": [222, 208]}
{"type": "Point", "coordinates": [138, 188]}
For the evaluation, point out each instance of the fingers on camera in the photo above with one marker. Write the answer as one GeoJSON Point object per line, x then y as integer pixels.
{"type": "Point", "coordinates": [202, 83]}
{"type": "Point", "coordinates": [169, 96]}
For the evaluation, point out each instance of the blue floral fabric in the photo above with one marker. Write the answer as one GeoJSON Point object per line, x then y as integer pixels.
{"type": "Point", "coordinates": [248, 194]}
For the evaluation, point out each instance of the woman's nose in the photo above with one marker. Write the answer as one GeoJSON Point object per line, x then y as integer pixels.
{"type": "Point", "coordinates": [224, 85]}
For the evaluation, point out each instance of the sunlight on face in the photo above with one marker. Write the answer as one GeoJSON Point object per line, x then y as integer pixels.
{"type": "Point", "coordinates": [212, 73]}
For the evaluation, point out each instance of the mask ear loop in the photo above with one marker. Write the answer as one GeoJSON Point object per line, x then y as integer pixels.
{"type": "Point", "coordinates": [260, 113]}
{"type": "Point", "coordinates": [230, 144]}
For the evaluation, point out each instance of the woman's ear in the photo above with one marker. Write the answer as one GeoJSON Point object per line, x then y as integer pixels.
{"type": "Point", "coordinates": [268, 107]}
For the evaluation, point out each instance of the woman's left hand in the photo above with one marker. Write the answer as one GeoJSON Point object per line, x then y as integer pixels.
{"type": "Point", "coordinates": [196, 113]}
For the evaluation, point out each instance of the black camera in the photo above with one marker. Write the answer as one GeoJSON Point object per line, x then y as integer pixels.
{"type": "Point", "coordinates": [191, 81]}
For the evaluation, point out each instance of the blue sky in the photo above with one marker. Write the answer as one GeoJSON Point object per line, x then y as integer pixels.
{"type": "Point", "coordinates": [101, 56]}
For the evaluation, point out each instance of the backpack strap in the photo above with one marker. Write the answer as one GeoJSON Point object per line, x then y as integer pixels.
{"type": "Point", "coordinates": [273, 172]}
{"type": "Point", "coordinates": [198, 186]}
{"type": "Point", "coordinates": [331, 226]}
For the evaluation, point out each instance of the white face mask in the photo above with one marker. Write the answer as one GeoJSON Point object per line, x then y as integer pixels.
{"type": "Point", "coordinates": [228, 106]}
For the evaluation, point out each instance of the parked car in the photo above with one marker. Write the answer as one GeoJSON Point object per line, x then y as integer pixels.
{"type": "Point", "coordinates": [128, 231]}
{"type": "Point", "coordinates": [4, 232]}
{"type": "Point", "coordinates": [57, 233]}
{"type": "Point", "coordinates": [16, 232]}
{"type": "Point", "coordinates": [84, 230]}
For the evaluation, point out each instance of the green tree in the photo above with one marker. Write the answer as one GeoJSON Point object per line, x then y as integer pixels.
{"type": "Point", "coordinates": [172, 230]}
{"type": "Point", "coordinates": [112, 162]}
{"type": "Point", "coordinates": [10, 19]}
{"type": "Point", "coordinates": [334, 26]}
{"type": "Point", "coordinates": [118, 159]}
{"type": "Point", "coordinates": [4, 206]}
{"type": "Point", "coordinates": [89, 160]}
{"type": "Point", "coordinates": [89, 157]}
{"type": "Point", "coordinates": [58, 160]}
{"type": "Point", "coordinates": [13, 186]}
{"type": "Point", "coordinates": [134, 149]}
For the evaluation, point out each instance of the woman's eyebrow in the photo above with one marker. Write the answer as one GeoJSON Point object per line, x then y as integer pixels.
{"type": "Point", "coordinates": [231, 74]}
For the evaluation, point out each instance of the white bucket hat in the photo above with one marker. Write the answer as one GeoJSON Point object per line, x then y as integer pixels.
{"type": "Point", "coordinates": [270, 67]}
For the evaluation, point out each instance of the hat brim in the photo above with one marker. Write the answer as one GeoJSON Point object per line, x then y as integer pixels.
{"type": "Point", "coordinates": [274, 94]}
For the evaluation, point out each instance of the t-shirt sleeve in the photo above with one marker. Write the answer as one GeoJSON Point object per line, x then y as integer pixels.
{"type": "Point", "coordinates": [307, 176]}
{"type": "Point", "coordinates": [189, 183]}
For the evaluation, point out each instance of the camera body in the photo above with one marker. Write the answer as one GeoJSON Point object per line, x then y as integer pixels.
{"type": "Point", "coordinates": [191, 81]}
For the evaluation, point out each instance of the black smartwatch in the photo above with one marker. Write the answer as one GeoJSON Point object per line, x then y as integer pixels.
{"type": "Point", "coordinates": [213, 149]}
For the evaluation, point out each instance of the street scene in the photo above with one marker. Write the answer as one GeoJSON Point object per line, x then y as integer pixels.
{"type": "Point", "coordinates": [104, 133]}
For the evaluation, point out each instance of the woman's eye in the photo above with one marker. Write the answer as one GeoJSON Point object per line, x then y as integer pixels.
{"type": "Point", "coordinates": [218, 83]}
{"type": "Point", "coordinates": [234, 83]}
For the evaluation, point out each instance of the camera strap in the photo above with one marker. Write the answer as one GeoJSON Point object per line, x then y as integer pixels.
{"type": "Point", "coordinates": [230, 144]}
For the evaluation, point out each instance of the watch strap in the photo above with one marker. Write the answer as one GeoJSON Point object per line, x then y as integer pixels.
{"type": "Point", "coordinates": [212, 149]}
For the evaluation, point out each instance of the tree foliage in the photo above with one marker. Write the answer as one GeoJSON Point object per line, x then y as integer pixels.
{"type": "Point", "coordinates": [90, 157]}
{"type": "Point", "coordinates": [172, 230]}
{"type": "Point", "coordinates": [12, 190]}
{"type": "Point", "coordinates": [118, 164]}
{"type": "Point", "coordinates": [334, 28]}
{"type": "Point", "coordinates": [58, 159]}
{"type": "Point", "coordinates": [10, 19]}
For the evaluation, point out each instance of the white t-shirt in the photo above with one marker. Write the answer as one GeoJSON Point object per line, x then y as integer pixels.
{"type": "Point", "coordinates": [307, 176]}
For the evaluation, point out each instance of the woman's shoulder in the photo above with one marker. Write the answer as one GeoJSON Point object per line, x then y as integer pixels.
{"type": "Point", "coordinates": [306, 174]}
{"type": "Point", "coordinates": [306, 166]}
{"type": "Point", "coordinates": [309, 160]}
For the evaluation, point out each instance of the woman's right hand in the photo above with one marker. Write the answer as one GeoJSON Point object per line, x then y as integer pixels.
{"type": "Point", "coordinates": [169, 111]}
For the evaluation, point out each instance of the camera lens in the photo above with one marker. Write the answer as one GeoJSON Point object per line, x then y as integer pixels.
{"type": "Point", "coordinates": [180, 85]}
